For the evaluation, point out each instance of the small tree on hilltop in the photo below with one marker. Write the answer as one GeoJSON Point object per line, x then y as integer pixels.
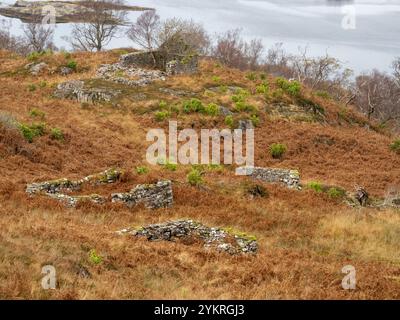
{"type": "Point", "coordinates": [144, 31]}
{"type": "Point", "coordinates": [104, 22]}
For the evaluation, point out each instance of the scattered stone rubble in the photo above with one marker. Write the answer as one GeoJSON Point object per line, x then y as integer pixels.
{"type": "Point", "coordinates": [216, 238]}
{"type": "Point", "coordinates": [129, 75]}
{"type": "Point", "coordinates": [153, 196]}
{"type": "Point", "coordinates": [289, 178]}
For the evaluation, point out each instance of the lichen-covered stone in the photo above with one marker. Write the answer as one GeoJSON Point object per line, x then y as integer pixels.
{"type": "Point", "coordinates": [72, 201]}
{"type": "Point", "coordinates": [153, 196]}
{"type": "Point", "coordinates": [64, 71]}
{"type": "Point", "coordinates": [36, 68]}
{"type": "Point", "coordinates": [289, 178]}
{"type": "Point", "coordinates": [216, 238]}
{"type": "Point", "coordinates": [245, 124]}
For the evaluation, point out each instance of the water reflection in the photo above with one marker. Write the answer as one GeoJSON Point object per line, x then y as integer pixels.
{"type": "Point", "coordinates": [335, 3]}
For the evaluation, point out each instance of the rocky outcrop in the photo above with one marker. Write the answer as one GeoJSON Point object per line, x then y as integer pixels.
{"type": "Point", "coordinates": [76, 90]}
{"type": "Point", "coordinates": [286, 177]}
{"type": "Point", "coordinates": [64, 71]}
{"type": "Point", "coordinates": [190, 231]}
{"type": "Point", "coordinates": [36, 68]}
{"type": "Point", "coordinates": [153, 196]}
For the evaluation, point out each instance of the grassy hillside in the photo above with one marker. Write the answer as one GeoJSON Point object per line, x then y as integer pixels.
{"type": "Point", "coordinates": [305, 237]}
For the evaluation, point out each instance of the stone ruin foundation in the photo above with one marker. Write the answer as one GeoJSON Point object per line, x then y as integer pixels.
{"type": "Point", "coordinates": [153, 196]}
{"type": "Point", "coordinates": [186, 230]}
{"type": "Point", "coordinates": [286, 177]}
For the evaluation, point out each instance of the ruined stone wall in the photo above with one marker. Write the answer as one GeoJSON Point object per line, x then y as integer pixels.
{"type": "Point", "coordinates": [289, 178]}
{"type": "Point", "coordinates": [171, 63]}
{"type": "Point", "coordinates": [217, 238]}
{"type": "Point", "coordinates": [153, 196]}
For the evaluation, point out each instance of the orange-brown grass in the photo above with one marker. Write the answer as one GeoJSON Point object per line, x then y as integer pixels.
{"type": "Point", "coordinates": [305, 238]}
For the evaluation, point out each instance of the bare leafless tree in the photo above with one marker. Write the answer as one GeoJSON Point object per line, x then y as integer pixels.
{"type": "Point", "coordinates": [144, 31]}
{"type": "Point", "coordinates": [38, 36]}
{"type": "Point", "coordinates": [104, 22]}
{"type": "Point", "coordinates": [254, 51]}
{"type": "Point", "coordinates": [10, 42]}
{"type": "Point", "coordinates": [396, 70]}
{"type": "Point", "coordinates": [378, 96]}
{"type": "Point", "coordinates": [229, 49]}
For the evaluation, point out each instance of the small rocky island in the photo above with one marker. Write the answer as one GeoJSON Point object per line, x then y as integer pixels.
{"type": "Point", "coordinates": [66, 11]}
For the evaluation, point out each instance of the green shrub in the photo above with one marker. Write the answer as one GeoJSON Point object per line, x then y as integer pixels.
{"type": "Point", "coordinates": [263, 76]}
{"type": "Point", "coordinates": [395, 146]}
{"type": "Point", "coordinates": [245, 107]}
{"type": "Point", "coordinates": [229, 121]}
{"type": "Point", "coordinates": [316, 186]}
{"type": "Point", "coordinates": [142, 170]}
{"type": "Point", "coordinates": [322, 94]}
{"type": "Point", "coordinates": [277, 150]}
{"type": "Point", "coordinates": [72, 64]}
{"type": "Point", "coordinates": [36, 113]}
{"type": "Point", "coordinates": [94, 257]}
{"type": "Point", "coordinates": [212, 109]}
{"type": "Point", "coordinates": [336, 192]}
{"type": "Point", "coordinates": [255, 120]}
{"type": "Point", "coordinates": [30, 132]}
{"type": "Point", "coordinates": [262, 88]}
{"type": "Point", "coordinates": [171, 166]}
{"type": "Point", "coordinates": [252, 76]}
{"type": "Point", "coordinates": [194, 177]}
{"type": "Point", "coordinates": [42, 84]}
{"type": "Point", "coordinates": [57, 134]}
{"type": "Point", "coordinates": [278, 94]}
{"type": "Point", "coordinates": [223, 89]}
{"type": "Point", "coordinates": [216, 79]}
{"type": "Point", "coordinates": [162, 115]}
{"type": "Point", "coordinates": [67, 55]}
{"type": "Point", "coordinates": [31, 87]}
{"type": "Point", "coordinates": [193, 105]}
{"type": "Point", "coordinates": [291, 87]}
{"type": "Point", "coordinates": [163, 104]}
{"type": "Point", "coordinates": [34, 56]}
